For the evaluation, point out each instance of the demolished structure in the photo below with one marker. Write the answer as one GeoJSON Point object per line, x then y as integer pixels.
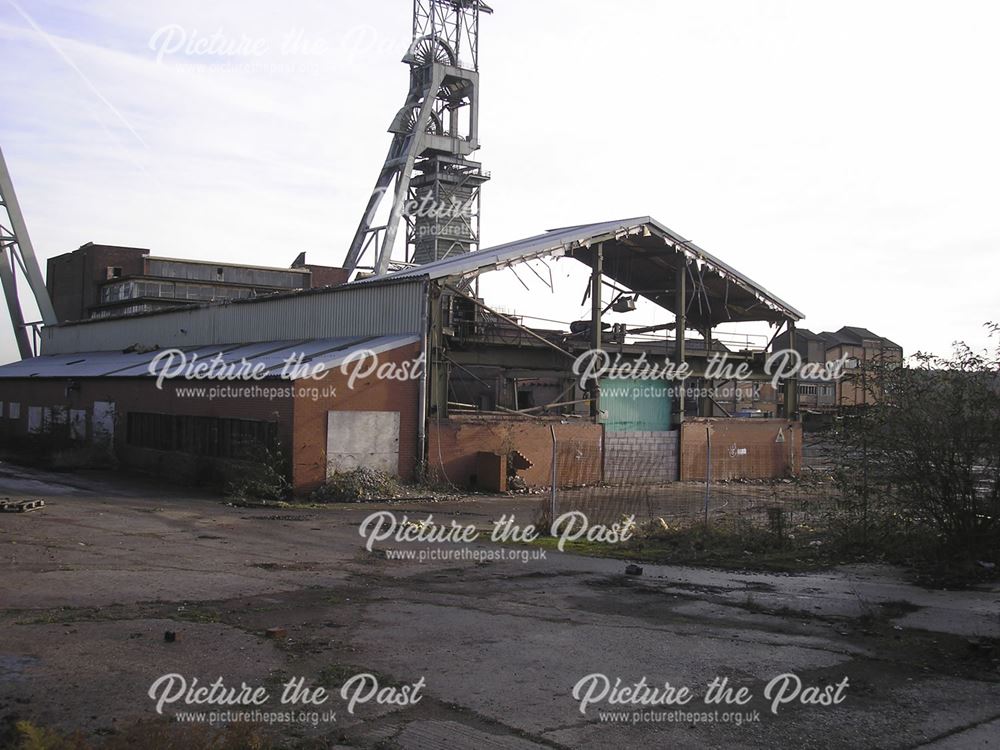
{"type": "Point", "coordinates": [405, 368]}
{"type": "Point", "coordinates": [490, 384]}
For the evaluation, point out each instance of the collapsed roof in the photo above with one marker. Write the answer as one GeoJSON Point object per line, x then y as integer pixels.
{"type": "Point", "coordinates": [640, 254]}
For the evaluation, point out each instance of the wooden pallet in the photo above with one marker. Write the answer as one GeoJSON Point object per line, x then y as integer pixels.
{"type": "Point", "coordinates": [20, 506]}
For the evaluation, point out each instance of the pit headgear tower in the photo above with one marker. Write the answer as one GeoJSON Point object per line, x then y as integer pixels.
{"type": "Point", "coordinates": [435, 186]}
{"type": "Point", "coordinates": [17, 258]}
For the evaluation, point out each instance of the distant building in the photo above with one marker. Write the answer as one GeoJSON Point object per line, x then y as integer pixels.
{"type": "Point", "coordinates": [815, 394]}
{"type": "Point", "coordinates": [861, 347]}
{"type": "Point", "coordinates": [858, 345]}
{"type": "Point", "coordinates": [746, 398]}
{"type": "Point", "coordinates": [106, 281]}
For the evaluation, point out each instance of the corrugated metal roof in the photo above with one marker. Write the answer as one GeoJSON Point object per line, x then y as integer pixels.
{"type": "Point", "coordinates": [330, 352]}
{"type": "Point", "coordinates": [512, 252]}
{"type": "Point", "coordinates": [558, 241]}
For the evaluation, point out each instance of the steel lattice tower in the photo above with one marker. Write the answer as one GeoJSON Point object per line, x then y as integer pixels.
{"type": "Point", "coordinates": [435, 186]}
{"type": "Point", "coordinates": [17, 254]}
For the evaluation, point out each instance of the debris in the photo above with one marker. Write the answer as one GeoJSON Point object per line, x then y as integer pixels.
{"type": "Point", "coordinates": [358, 485]}
{"type": "Point", "coordinates": [140, 348]}
{"type": "Point", "coordinates": [986, 565]}
{"type": "Point", "coordinates": [20, 506]}
{"type": "Point", "coordinates": [633, 570]}
{"type": "Point", "coordinates": [169, 636]}
{"type": "Point", "coordinates": [277, 633]}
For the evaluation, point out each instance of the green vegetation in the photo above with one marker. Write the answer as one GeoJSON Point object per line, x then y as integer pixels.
{"type": "Point", "coordinates": [919, 463]}
{"type": "Point", "coordinates": [731, 544]}
{"type": "Point", "coordinates": [262, 481]}
{"type": "Point", "coordinates": [160, 733]}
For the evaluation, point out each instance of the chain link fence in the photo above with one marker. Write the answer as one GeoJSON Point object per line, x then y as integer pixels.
{"type": "Point", "coordinates": [736, 485]}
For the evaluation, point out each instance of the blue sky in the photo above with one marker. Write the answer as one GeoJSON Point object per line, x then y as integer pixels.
{"type": "Point", "coordinates": [845, 156]}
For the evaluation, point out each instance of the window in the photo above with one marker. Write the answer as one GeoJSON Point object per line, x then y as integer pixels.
{"type": "Point", "coordinates": [807, 390]}
{"type": "Point", "coordinates": [216, 437]}
{"type": "Point", "coordinates": [114, 272]}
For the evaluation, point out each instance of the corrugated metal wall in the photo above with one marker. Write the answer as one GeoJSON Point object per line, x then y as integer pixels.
{"type": "Point", "coordinates": [362, 310]}
{"type": "Point", "coordinates": [636, 405]}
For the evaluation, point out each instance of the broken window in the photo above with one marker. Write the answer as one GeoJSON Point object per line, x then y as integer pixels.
{"type": "Point", "coordinates": [216, 437]}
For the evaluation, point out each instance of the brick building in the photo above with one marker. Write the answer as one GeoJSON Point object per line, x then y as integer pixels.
{"type": "Point", "coordinates": [98, 281]}
{"type": "Point", "coordinates": [492, 390]}
{"type": "Point", "coordinates": [859, 346]}
{"type": "Point", "coordinates": [198, 430]}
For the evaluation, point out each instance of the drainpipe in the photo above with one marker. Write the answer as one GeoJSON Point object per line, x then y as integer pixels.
{"type": "Point", "coordinates": [423, 458]}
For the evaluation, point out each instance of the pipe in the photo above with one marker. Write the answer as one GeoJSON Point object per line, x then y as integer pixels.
{"type": "Point", "coordinates": [423, 458]}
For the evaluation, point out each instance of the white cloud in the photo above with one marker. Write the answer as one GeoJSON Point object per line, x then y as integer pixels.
{"type": "Point", "coordinates": [843, 156]}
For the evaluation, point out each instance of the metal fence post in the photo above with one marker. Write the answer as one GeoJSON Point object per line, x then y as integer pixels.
{"type": "Point", "coordinates": [552, 510]}
{"type": "Point", "coordinates": [708, 468]}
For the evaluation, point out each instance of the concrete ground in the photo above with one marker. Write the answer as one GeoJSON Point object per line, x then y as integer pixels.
{"type": "Point", "coordinates": [90, 584]}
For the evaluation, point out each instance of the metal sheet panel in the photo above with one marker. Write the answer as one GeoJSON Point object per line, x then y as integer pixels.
{"type": "Point", "coordinates": [346, 311]}
{"type": "Point", "coordinates": [557, 240]}
{"type": "Point", "coordinates": [271, 354]}
{"type": "Point", "coordinates": [513, 252]}
{"type": "Point", "coordinates": [634, 405]}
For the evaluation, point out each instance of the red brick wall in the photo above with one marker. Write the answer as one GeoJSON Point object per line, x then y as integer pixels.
{"type": "Point", "coordinates": [454, 443]}
{"type": "Point", "coordinates": [741, 448]}
{"type": "Point", "coordinates": [73, 278]}
{"type": "Point", "coordinates": [302, 426]}
{"type": "Point", "coordinates": [372, 394]}
{"type": "Point", "coordinates": [327, 275]}
{"type": "Point", "coordinates": [141, 395]}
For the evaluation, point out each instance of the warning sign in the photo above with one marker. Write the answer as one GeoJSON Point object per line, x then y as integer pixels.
{"type": "Point", "coordinates": [781, 435]}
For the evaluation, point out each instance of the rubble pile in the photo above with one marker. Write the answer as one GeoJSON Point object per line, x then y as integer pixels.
{"type": "Point", "coordinates": [357, 486]}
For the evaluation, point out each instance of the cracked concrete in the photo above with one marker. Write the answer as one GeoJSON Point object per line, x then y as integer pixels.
{"type": "Point", "coordinates": [90, 583]}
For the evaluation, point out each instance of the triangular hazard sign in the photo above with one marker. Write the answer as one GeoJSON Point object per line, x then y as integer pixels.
{"type": "Point", "coordinates": [781, 435]}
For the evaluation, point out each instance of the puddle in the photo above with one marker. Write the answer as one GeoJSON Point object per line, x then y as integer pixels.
{"type": "Point", "coordinates": [12, 666]}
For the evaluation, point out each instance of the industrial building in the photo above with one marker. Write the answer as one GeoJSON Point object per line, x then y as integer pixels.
{"type": "Point", "coordinates": [456, 389]}
{"type": "Point", "coordinates": [99, 281]}
{"type": "Point", "coordinates": [95, 380]}
{"type": "Point", "coordinates": [859, 346]}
